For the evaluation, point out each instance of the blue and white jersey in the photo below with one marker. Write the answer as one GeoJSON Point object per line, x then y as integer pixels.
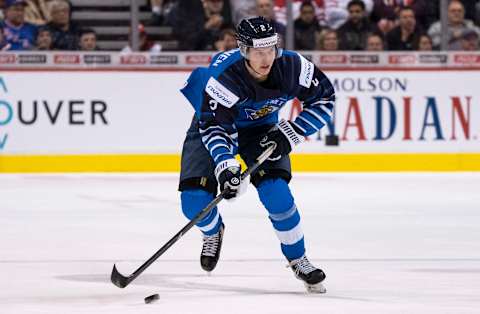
{"type": "Point", "coordinates": [227, 99]}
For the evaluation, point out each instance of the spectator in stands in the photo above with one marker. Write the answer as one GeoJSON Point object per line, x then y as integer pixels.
{"type": "Point", "coordinates": [197, 26]}
{"type": "Point", "coordinates": [425, 43]}
{"type": "Point", "coordinates": [388, 10]}
{"type": "Point", "coordinates": [280, 9]}
{"type": "Point", "coordinates": [470, 40]}
{"type": "Point", "coordinates": [375, 42]}
{"type": "Point", "coordinates": [88, 40]}
{"type": "Point", "coordinates": [265, 9]}
{"type": "Point", "coordinates": [336, 11]}
{"type": "Point", "coordinates": [64, 32]}
{"type": "Point", "coordinates": [457, 25]}
{"type": "Point", "coordinates": [37, 12]}
{"type": "Point", "coordinates": [407, 34]}
{"type": "Point", "coordinates": [353, 34]}
{"type": "Point", "coordinates": [44, 39]}
{"type": "Point", "coordinates": [306, 25]}
{"type": "Point", "coordinates": [227, 40]}
{"type": "Point", "coordinates": [18, 33]}
{"type": "Point", "coordinates": [472, 11]}
{"type": "Point", "coordinates": [327, 40]}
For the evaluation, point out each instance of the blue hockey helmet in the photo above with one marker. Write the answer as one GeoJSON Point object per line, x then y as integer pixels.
{"type": "Point", "coordinates": [256, 32]}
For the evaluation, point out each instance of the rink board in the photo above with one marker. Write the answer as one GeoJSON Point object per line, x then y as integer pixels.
{"type": "Point", "coordinates": [108, 120]}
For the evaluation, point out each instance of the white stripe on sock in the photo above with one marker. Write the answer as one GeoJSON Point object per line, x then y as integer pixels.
{"type": "Point", "coordinates": [211, 225]}
{"type": "Point", "coordinates": [291, 236]}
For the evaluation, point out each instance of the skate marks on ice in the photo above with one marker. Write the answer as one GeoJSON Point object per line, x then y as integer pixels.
{"type": "Point", "coordinates": [244, 285]}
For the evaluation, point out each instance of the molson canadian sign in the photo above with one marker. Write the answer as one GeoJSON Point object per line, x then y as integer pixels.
{"type": "Point", "coordinates": [402, 111]}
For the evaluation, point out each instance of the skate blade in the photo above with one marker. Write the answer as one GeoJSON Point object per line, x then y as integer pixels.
{"type": "Point", "coordinates": [317, 288]}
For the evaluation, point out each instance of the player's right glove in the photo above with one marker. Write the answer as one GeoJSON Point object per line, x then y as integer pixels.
{"type": "Point", "coordinates": [284, 136]}
{"type": "Point", "coordinates": [228, 174]}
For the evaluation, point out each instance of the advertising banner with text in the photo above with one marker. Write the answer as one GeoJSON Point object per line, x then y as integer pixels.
{"type": "Point", "coordinates": [135, 112]}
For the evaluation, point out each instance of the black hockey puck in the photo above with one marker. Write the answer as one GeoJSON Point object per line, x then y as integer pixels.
{"type": "Point", "coordinates": [152, 298]}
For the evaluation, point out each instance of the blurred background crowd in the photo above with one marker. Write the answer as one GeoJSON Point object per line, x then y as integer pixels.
{"type": "Point", "coordinates": [208, 25]}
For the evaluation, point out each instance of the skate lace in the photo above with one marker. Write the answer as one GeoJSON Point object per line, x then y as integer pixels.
{"type": "Point", "coordinates": [210, 244]}
{"type": "Point", "coordinates": [302, 265]}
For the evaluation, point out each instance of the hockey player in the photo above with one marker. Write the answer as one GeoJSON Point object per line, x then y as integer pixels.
{"type": "Point", "coordinates": [236, 101]}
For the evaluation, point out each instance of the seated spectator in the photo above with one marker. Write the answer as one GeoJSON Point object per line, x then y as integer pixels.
{"type": "Point", "coordinates": [389, 10]}
{"type": "Point", "coordinates": [305, 27]}
{"type": "Point", "coordinates": [425, 43]}
{"type": "Point", "coordinates": [375, 43]}
{"type": "Point", "coordinates": [37, 12]}
{"type": "Point", "coordinates": [18, 33]}
{"type": "Point", "coordinates": [44, 39]}
{"type": "Point", "coordinates": [88, 40]}
{"type": "Point", "coordinates": [407, 34]}
{"type": "Point", "coordinates": [457, 25]}
{"type": "Point", "coordinates": [470, 40]}
{"type": "Point", "coordinates": [280, 10]}
{"type": "Point", "coordinates": [265, 9]}
{"type": "Point", "coordinates": [336, 11]}
{"type": "Point", "coordinates": [353, 34]}
{"type": "Point", "coordinates": [327, 40]}
{"type": "Point", "coordinates": [227, 40]}
{"type": "Point", "coordinates": [64, 32]}
{"type": "Point", "coordinates": [197, 26]}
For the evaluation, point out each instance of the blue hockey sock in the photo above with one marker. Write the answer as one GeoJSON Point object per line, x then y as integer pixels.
{"type": "Point", "coordinates": [275, 195]}
{"type": "Point", "coordinates": [193, 201]}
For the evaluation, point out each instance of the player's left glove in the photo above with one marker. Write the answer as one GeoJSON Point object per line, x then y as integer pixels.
{"type": "Point", "coordinates": [285, 136]}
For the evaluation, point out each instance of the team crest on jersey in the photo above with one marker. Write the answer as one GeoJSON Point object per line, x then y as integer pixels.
{"type": "Point", "coordinates": [270, 106]}
{"type": "Point", "coordinates": [260, 113]}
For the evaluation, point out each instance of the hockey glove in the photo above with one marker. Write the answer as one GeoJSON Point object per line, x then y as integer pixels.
{"type": "Point", "coordinates": [228, 174]}
{"type": "Point", "coordinates": [284, 136]}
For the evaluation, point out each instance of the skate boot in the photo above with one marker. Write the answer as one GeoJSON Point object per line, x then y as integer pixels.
{"type": "Point", "coordinates": [311, 276]}
{"type": "Point", "coordinates": [212, 244]}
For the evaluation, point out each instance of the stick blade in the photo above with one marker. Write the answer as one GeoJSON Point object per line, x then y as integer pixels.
{"type": "Point", "coordinates": [118, 279]}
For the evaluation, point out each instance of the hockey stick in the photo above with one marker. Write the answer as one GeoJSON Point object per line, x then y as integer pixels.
{"type": "Point", "coordinates": [122, 281]}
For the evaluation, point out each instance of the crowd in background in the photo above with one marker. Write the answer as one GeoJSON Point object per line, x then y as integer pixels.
{"type": "Point", "coordinates": [42, 25]}
{"type": "Point", "coordinates": [328, 25]}
{"type": "Point", "coordinates": [371, 25]}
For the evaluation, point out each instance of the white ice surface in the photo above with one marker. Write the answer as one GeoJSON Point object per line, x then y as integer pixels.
{"type": "Point", "coordinates": [389, 243]}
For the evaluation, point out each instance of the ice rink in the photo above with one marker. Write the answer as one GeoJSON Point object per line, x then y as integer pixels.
{"type": "Point", "coordinates": [388, 242]}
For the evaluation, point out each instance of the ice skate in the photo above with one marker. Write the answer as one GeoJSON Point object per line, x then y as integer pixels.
{"type": "Point", "coordinates": [212, 244]}
{"type": "Point", "coordinates": [311, 276]}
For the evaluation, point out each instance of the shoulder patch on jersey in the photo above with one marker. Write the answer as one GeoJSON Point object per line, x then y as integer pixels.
{"type": "Point", "coordinates": [306, 72]}
{"type": "Point", "coordinates": [222, 57]}
{"type": "Point", "coordinates": [220, 93]}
